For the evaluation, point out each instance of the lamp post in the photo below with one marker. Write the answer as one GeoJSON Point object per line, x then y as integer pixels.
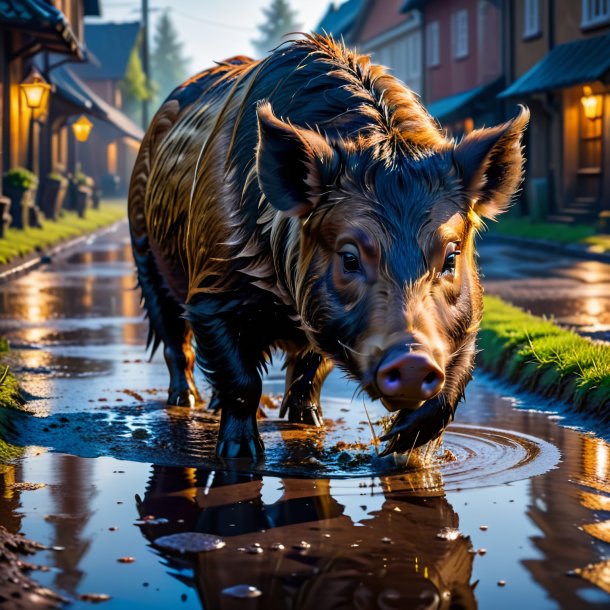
{"type": "Point", "coordinates": [36, 92]}
{"type": "Point", "coordinates": [81, 128]}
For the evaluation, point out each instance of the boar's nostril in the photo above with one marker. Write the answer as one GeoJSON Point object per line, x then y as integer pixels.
{"type": "Point", "coordinates": [412, 376]}
{"type": "Point", "coordinates": [430, 377]}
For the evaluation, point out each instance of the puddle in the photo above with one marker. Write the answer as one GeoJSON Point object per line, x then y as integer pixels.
{"type": "Point", "coordinates": [513, 511]}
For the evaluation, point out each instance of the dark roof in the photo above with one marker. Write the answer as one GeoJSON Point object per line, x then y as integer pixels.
{"type": "Point", "coordinates": [461, 105]}
{"type": "Point", "coordinates": [77, 94]}
{"type": "Point", "coordinates": [111, 45]}
{"type": "Point", "coordinates": [43, 21]}
{"type": "Point", "coordinates": [340, 19]}
{"type": "Point", "coordinates": [410, 5]}
{"type": "Point", "coordinates": [572, 63]}
{"type": "Point", "coordinates": [92, 8]}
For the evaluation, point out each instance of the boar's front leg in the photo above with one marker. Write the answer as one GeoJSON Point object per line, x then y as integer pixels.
{"type": "Point", "coordinates": [230, 352]}
{"type": "Point", "coordinates": [305, 374]}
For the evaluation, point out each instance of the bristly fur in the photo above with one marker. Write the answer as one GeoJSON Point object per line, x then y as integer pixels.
{"type": "Point", "coordinates": [248, 178]}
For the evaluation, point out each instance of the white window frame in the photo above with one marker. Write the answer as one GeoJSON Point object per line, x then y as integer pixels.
{"type": "Point", "coordinates": [531, 18]}
{"type": "Point", "coordinates": [459, 34]}
{"type": "Point", "coordinates": [433, 44]}
{"type": "Point", "coordinates": [595, 12]}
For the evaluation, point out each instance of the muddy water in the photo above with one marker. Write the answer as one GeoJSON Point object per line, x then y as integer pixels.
{"type": "Point", "coordinates": [512, 512]}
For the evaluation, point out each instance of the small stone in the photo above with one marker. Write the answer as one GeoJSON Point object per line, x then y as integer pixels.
{"type": "Point", "coordinates": [254, 549]}
{"type": "Point", "coordinates": [482, 551]}
{"type": "Point", "coordinates": [95, 597]}
{"type": "Point", "coordinates": [126, 559]}
{"type": "Point", "coordinates": [501, 583]}
{"type": "Point", "coordinates": [190, 542]}
{"type": "Point", "coordinates": [302, 546]}
{"type": "Point", "coordinates": [58, 548]}
{"type": "Point", "coordinates": [242, 591]}
{"type": "Point", "coordinates": [113, 528]}
{"type": "Point", "coordinates": [277, 546]}
{"type": "Point", "coordinates": [483, 528]}
{"type": "Point", "coordinates": [387, 540]}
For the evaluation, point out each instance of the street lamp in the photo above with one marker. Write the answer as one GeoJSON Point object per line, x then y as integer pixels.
{"type": "Point", "coordinates": [592, 104]}
{"type": "Point", "coordinates": [36, 92]}
{"type": "Point", "coordinates": [82, 128]}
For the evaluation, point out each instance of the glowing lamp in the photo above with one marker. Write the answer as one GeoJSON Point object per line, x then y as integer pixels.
{"type": "Point", "coordinates": [35, 89]}
{"type": "Point", "coordinates": [82, 128]}
{"type": "Point", "coordinates": [592, 104]}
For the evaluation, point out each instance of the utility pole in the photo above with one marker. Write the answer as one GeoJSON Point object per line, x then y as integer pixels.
{"type": "Point", "coordinates": [145, 60]}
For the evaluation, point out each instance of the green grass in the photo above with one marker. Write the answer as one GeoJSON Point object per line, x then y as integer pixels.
{"type": "Point", "coordinates": [18, 243]}
{"type": "Point", "coordinates": [542, 357]}
{"type": "Point", "coordinates": [551, 231]}
{"type": "Point", "coordinates": [10, 397]}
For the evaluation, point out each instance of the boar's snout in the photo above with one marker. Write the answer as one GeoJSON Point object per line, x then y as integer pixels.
{"type": "Point", "coordinates": [406, 379]}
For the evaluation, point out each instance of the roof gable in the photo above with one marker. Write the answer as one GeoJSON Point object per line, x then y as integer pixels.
{"type": "Point", "coordinates": [111, 45]}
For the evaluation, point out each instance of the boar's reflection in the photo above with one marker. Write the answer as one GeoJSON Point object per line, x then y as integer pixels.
{"type": "Point", "coordinates": [393, 559]}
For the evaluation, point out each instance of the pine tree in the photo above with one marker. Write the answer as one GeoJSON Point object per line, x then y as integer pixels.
{"type": "Point", "coordinates": [134, 87]}
{"type": "Point", "coordinates": [281, 19]}
{"type": "Point", "coordinates": [169, 65]}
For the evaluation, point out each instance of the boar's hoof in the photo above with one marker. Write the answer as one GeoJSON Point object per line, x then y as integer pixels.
{"type": "Point", "coordinates": [184, 397]}
{"type": "Point", "coordinates": [238, 437]}
{"type": "Point", "coordinates": [305, 414]}
{"type": "Point", "coordinates": [240, 447]}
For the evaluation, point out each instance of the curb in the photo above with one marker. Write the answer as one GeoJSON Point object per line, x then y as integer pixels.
{"type": "Point", "coordinates": [576, 250]}
{"type": "Point", "coordinates": [11, 271]}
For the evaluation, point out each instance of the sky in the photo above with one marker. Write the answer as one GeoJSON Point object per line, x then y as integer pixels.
{"type": "Point", "coordinates": [212, 30]}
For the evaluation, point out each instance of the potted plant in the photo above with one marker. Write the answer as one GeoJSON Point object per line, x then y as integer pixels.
{"type": "Point", "coordinates": [81, 190]}
{"type": "Point", "coordinates": [53, 194]}
{"type": "Point", "coordinates": [19, 185]}
{"type": "Point", "coordinates": [5, 215]}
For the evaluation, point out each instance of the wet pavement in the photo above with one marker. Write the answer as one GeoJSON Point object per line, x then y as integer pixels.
{"type": "Point", "coordinates": [576, 293]}
{"type": "Point", "coordinates": [512, 511]}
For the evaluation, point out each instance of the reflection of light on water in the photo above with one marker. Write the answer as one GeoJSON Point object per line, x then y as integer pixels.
{"type": "Point", "coordinates": [602, 461]}
{"type": "Point", "coordinates": [593, 307]}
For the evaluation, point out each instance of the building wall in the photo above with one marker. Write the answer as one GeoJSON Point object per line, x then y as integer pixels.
{"type": "Point", "coordinates": [483, 63]}
{"type": "Point", "coordinates": [382, 16]}
{"type": "Point", "coordinates": [528, 51]}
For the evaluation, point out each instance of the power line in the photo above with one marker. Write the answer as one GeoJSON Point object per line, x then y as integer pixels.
{"type": "Point", "coordinates": [184, 14]}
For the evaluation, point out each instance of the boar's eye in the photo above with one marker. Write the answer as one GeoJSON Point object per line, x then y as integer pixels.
{"type": "Point", "coordinates": [451, 254]}
{"type": "Point", "coordinates": [350, 260]}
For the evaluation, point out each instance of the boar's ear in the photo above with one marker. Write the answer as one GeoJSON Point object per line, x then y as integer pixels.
{"type": "Point", "coordinates": [294, 165]}
{"type": "Point", "coordinates": [491, 164]}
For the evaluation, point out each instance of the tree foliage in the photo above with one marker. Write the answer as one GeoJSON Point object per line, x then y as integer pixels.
{"type": "Point", "coordinates": [134, 86]}
{"type": "Point", "coordinates": [280, 19]}
{"type": "Point", "coordinates": [170, 66]}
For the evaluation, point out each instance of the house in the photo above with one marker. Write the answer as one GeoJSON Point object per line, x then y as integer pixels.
{"type": "Point", "coordinates": [340, 18]}
{"type": "Point", "coordinates": [392, 38]}
{"type": "Point", "coordinates": [462, 57]}
{"type": "Point", "coordinates": [115, 142]}
{"type": "Point", "coordinates": [33, 29]}
{"type": "Point", "coordinates": [558, 60]}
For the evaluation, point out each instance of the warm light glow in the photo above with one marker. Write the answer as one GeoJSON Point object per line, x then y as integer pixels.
{"type": "Point", "coordinates": [82, 128]}
{"type": "Point", "coordinates": [592, 104]}
{"type": "Point", "coordinates": [35, 90]}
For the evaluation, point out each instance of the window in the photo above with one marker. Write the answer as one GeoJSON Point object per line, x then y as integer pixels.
{"type": "Point", "coordinates": [531, 18]}
{"type": "Point", "coordinates": [589, 169]}
{"type": "Point", "coordinates": [595, 12]}
{"type": "Point", "coordinates": [433, 44]}
{"type": "Point", "coordinates": [459, 34]}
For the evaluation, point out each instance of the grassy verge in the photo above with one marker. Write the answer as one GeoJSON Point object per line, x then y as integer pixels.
{"type": "Point", "coordinates": [541, 357]}
{"type": "Point", "coordinates": [551, 231]}
{"type": "Point", "coordinates": [19, 243]}
{"type": "Point", "coordinates": [10, 396]}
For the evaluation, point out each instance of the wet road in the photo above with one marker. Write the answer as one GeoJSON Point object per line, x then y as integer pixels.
{"type": "Point", "coordinates": [517, 495]}
{"type": "Point", "coordinates": [576, 293]}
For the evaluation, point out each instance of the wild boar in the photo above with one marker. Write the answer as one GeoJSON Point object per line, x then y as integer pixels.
{"type": "Point", "coordinates": [309, 202]}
